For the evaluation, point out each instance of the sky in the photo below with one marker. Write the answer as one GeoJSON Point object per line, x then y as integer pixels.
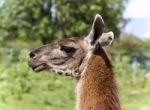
{"type": "Point", "coordinates": [139, 13]}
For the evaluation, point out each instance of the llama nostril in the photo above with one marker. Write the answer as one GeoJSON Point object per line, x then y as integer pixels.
{"type": "Point", "coordinates": [110, 38]}
{"type": "Point", "coordinates": [32, 54]}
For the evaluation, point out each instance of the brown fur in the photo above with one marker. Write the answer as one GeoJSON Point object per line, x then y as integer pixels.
{"type": "Point", "coordinates": [98, 89]}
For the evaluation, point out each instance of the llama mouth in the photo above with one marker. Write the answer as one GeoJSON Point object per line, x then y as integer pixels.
{"type": "Point", "coordinates": [39, 68]}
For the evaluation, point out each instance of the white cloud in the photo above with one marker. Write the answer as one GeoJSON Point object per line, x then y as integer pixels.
{"type": "Point", "coordinates": [138, 9]}
{"type": "Point", "coordinates": [146, 35]}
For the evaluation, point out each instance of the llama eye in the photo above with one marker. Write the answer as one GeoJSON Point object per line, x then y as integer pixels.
{"type": "Point", "coordinates": [67, 49]}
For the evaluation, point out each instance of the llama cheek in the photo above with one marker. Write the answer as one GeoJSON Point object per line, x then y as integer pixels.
{"type": "Point", "coordinates": [43, 58]}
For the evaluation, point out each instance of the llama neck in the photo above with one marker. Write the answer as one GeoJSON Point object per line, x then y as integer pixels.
{"type": "Point", "coordinates": [96, 89]}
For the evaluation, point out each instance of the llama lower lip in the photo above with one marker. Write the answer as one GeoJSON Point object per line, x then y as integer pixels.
{"type": "Point", "coordinates": [39, 68]}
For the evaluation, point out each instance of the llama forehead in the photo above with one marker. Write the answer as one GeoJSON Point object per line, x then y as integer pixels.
{"type": "Point", "coordinates": [70, 42]}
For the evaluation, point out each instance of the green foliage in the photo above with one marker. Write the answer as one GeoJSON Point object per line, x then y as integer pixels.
{"type": "Point", "coordinates": [22, 89]}
{"type": "Point", "coordinates": [51, 19]}
{"type": "Point", "coordinates": [133, 84]}
{"type": "Point", "coordinates": [127, 45]}
{"type": "Point", "coordinates": [133, 72]}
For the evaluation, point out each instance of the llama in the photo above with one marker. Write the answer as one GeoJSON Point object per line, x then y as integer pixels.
{"type": "Point", "coordinates": [84, 59]}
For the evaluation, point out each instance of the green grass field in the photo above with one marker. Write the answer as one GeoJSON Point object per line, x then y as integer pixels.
{"type": "Point", "coordinates": [54, 92]}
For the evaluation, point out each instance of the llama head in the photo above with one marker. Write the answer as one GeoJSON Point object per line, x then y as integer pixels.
{"type": "Point", "coordinates": [68, 56]}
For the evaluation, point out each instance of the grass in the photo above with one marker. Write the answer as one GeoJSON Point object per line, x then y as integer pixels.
{"type": "Point", "coordinates": [50, 92]}
{"type": "Point", "coordinates": [54, 92]}
{"type": "Point", "coordinates": [134, 96]}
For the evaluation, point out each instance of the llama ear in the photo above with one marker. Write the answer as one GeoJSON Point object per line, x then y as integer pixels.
{"type": "Point", "coordinates": [97, 29]}
{"type": "Point", "coordinates": [106, 38]}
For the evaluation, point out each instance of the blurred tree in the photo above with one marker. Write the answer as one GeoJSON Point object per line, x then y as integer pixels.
{"type": "Point", "coordinates": [132, 47]}
{"type": "Point", "coordinates": [128, 45]}
{"type": "Point", "coordinates": [50, 19]}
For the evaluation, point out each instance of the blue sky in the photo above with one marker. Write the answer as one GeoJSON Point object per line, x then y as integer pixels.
{"type": "Point", "coordinates": [139, 12]}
